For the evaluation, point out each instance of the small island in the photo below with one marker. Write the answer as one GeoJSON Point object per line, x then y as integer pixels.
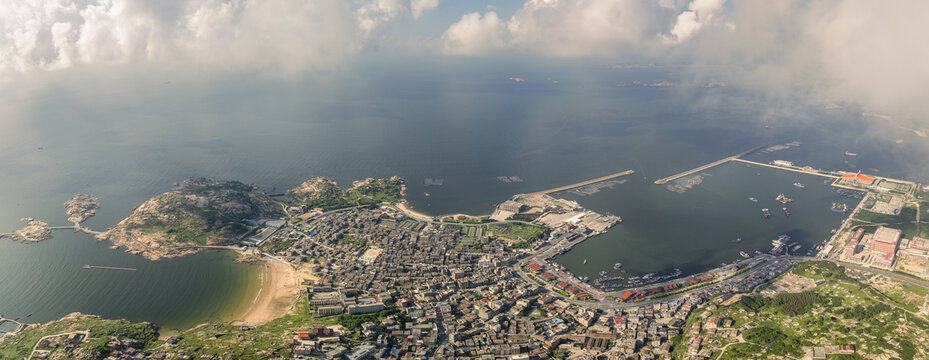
{"type": "Point", "coordinates": [81, 207]}
{"type": "Point", "coordinates": [34, 231]}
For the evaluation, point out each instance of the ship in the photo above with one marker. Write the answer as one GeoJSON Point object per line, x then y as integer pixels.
{"type": "Point", "coordinates": [754, 200]}
{"type": "Point", "coordinates": [839, 207]}
{"type": "Point", "coordinates": [618, 265]}
{"type": "Point", "coordinates": [737, 240]}
{"type": "Point", "coordinates": [850, 154]}
{"type": "Point", "coordinates": [779, 244]}
{"type": "Point", "coordinates": [585, 261]}
{"type": "Point", "coordinates": [787, 213]}
{"type": "Point", "coordinates": [765, 213]}
{"type": "Point", "coordinates": [602, 273]}
{"type": "Point", "coordinates": [744, 254]}
{"type": "Point", "coordinates": [783, 198]}
{"type": "Point", "coordinates": [799, 185]}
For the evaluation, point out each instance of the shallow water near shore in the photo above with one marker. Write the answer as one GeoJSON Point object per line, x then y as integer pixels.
{"type": "Point", "coordinates": [46, 280]}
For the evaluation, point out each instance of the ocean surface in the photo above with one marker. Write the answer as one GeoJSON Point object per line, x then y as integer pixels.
{"type": "Point", "coordinates": [128, 137]}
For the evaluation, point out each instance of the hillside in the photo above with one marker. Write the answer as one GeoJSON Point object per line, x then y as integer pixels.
{"type": "Point", "coordinates": [326, 194]}
{"type": "Point", "coordinates": [200, 212]}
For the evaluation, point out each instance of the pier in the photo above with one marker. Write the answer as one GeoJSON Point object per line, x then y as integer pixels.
{"type": "Point", "coordinates": [107, 268]}
{"type": "Point", "coordinates": [585, 183]}
{"type": "Point", "coordinates": [707, 166]}
{"type": "Point", "coordinates": [794, 169]}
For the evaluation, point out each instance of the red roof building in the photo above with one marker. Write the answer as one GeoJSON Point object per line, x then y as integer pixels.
{"type": "Point", "coordinates": [852, 246]}
{"type": "Point", "coordinates": [858, 177]}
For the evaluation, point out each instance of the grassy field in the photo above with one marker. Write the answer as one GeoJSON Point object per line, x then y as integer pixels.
{"type": "Point", "coordinates": [517, 233]}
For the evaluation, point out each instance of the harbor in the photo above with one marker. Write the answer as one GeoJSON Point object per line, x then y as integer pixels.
{"type": "Point", "coordinates": [714, 223]}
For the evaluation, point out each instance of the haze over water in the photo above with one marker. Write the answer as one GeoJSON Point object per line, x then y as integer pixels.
{"type": "Point", "coordinates": [466, 126]}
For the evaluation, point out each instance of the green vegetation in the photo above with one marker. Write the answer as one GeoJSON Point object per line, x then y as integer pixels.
{"type": "Point", "coordinates": [905, 221]}
{"type": "Point", "coordinates": [774, 339]}
{"type": "Point", "coordinates": [351, 240]}
{"type": "Point", "coordinates": [470, 220]}
{"type": "Point", "coordinates": [521, 235]}
{"type": "Point", "coordinates": [273, 247]}
{"type": "Point", "coordinates": [20, 345]}
{"type": "Point", "coordinates": [201, 212]}
{"type": "Point", "coordinates": [788, 303]}
{"type": "Point", "coordinates": [352, 323]}
{"type": "Point", "coordinates": [839, 311]}
{"type": "Point", "coordinates": [327, 195]}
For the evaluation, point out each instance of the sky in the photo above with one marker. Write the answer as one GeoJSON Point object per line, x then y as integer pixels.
{"type": "Point", "coordinates": [870, 54]}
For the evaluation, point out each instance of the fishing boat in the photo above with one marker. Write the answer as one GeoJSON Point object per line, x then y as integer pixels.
{"type": "Point", "coordinates": [744, 254]}
{"type": "Point", "coordinates": [841, 208]}
{"type": "Point", "coordinates": [585, 261]}
{"type": "Point", "coordinates": [799, 185]}
{"type": "Point", "coordinates": [618, 265]}
{"type": "Point", "coordinates": [737, 240]}
{"type": "Point", "coordinates": [754, 200]}
{"type": "Point", "coordinates": [787, 213]}
{"type": "Point", "coordinates": [783, 199]}
{"type": "Point", "coordinates": [766, 213]}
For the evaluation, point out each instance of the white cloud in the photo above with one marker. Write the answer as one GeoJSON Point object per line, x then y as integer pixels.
{"type": "Point", "coordinates": [700, 13]}
{"type": "Point", "coordinates": [869, 53]}
{"type": "Point", "coordinates": [562, 28]}
{"type": "Point", "coordinates": [475, 34]}
{"type": "Point", "coordinates": [283, 35]}
{"type": "Point", "coordinates": [418, 7]}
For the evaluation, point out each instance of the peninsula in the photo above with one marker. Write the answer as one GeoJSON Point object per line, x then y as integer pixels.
{"type": "Point", "coordinates": [200, 212]}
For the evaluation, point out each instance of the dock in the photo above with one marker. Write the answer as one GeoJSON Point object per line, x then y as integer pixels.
{"type": "Point", "coordinates": [707, 166]}
{"type": "Point", "coordinates": [585, 183]}
{"type": "Point", "coordinates": [794, 169]}
{"type": "Point", "coordinates": [107, 268]}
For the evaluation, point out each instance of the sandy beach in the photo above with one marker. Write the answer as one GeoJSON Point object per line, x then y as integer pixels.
{"type": "Point", "coordinates": [276, 296]}
{"type": "Point", "coordinates": [411, 213]}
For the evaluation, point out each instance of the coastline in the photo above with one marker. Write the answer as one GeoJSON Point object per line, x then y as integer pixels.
{"type": "Point", "coordinates": [276, 294]}
{"type": "Point", "coordinates": [403, 206]}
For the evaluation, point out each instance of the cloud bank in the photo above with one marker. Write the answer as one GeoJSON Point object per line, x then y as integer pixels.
{"type": "Point", "coordinates": [286, 35]}
{"type": "Point", "coordinates": [870, 53]}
